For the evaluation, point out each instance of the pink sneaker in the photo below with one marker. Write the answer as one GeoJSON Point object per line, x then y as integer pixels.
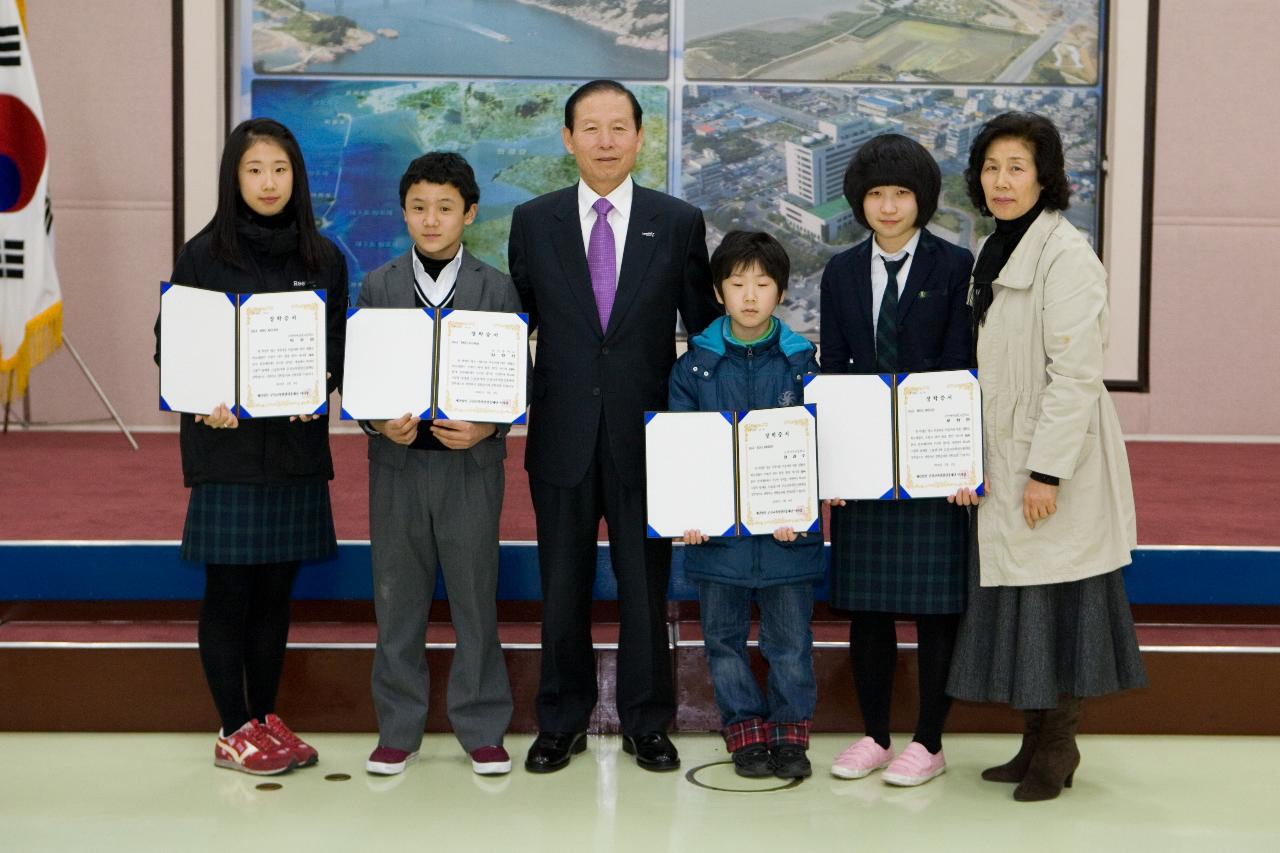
{"type": "Point", "coordinates": [304, 754]}
{"type": "Point", "coordinates": [490, 761]}
{"type": "Point", "coordinates": [914, 766]}
{"type": "Point", "coordinates": [861, 759]}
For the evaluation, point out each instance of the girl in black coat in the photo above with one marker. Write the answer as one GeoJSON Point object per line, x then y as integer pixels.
{"type": "Point", "coordinates": [259, 487]}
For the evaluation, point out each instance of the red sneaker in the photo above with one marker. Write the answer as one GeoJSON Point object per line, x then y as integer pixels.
{"type": "Point", "coordinates": [304, 754]}
{"type": "Point", "coordinates": [251, 749]}
{"type": "Point", "coordinates": [490, 761]}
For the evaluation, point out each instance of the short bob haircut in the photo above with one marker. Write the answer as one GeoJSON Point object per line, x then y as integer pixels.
{"type": "Point", "coordinates": [741, 250]}
{"type": "Point", "coordinates": [314, 250]}
{"type": "Point", "coordinates": [1045, 143]}
{"type": "Point", "coordinates": [595, 87]}
{"type": "Point", "coordinates": [442, 167]}
{"type": "Point", "coordinates": [893, 160]}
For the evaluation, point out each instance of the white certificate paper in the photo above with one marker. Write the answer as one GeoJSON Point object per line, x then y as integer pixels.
{"type": "Point", "coordinates": [689, 473]}
{"type": "Point", "coordinates": [282, 354]}
{"type": "Point", "coordinates": [855, 434]}
{"type": "Point", "coordinates": [778, 470]}
{"type": "Point", "coordinates": [197, 349]}
{"type": "Point", "coordinates": [484, 363]}
{"type": "Point", "coordinates": [939, 433]}
{"type": "Point", "coordinates": [388, 363]}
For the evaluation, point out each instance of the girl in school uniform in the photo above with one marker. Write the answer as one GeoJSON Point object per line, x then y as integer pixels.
{"type": "Point", "coordinates": [259, 487]}
{"type": "Point", "coordinates": [895, 303]}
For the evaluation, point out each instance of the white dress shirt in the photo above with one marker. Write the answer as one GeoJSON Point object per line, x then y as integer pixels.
{"type": "Point", "coordinates": [880, 276]}
{"type": "Point", "coordinates": [435, 292]}
{"type": "Point", "coordinates": [618, 218]}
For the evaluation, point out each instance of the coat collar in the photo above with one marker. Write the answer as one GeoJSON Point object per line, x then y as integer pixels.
{"type": "Point", "coordinates": [1020, 270]}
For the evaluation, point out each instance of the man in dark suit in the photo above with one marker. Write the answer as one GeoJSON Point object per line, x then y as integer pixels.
{"type": "Point", "coordinates": [602, 267]}
{"type": "Point", "coordinates": [435, 496]}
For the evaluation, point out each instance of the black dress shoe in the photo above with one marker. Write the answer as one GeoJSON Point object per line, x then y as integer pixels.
{"type": "Point", "coordinates": [653, 751]}
{"type": "Point", "coordinates": [552, 750]}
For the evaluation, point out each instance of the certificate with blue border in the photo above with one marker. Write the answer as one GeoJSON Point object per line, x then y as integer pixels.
{"type": "Point", "coordinates": [261, 354]}
{"type": "Point", "coordinates": [732, 473]}
{"type": "Point", "coordinates": [898, 436]}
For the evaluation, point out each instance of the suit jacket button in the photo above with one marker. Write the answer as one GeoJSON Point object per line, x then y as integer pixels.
{"type": "Point", "coordinates": [595, 392]}
{"type": "Point", "coordinates": [604, 350]}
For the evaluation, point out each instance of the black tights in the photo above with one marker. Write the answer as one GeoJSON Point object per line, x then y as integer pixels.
{"type": "Point", "coordinates": [873, 649]}
{"type": "Point", "coordinates": [244, 627]}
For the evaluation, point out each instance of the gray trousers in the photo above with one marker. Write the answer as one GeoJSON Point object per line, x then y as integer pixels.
{"type": "Point", "coordinates": [440, 508]}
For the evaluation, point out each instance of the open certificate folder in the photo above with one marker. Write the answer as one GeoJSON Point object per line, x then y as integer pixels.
{"type": "Point", "coordinates": [442, 364]}
{"type": "Point", "coordinates": [732, 473]}
{"type": "Point", "coordinates": [888, 437]}
{"type": "Point", "coordinates": [263, 354]}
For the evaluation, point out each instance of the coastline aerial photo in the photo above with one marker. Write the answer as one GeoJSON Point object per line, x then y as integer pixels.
{"type": "Point", "coordinates": [358, 136]}
{"type": "Point", "coordinates": [1037, 42]}
{"type": "Point", "coordinates": [772, 158]}
{"type": "Point", "coordinates": [466, 38]}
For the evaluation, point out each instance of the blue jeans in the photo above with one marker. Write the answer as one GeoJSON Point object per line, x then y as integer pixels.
{"type": "Point", "coordinates": [785, 641]}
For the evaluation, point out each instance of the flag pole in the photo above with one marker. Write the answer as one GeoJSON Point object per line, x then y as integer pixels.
{"type": "Point", "coordinates": [84, 368]}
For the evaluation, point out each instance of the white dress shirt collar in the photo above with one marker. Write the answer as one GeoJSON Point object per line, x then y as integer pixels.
{"type": "Point", "coordinates": [620, 198]}
{"type": "Point", "coordinates": [893, 256]}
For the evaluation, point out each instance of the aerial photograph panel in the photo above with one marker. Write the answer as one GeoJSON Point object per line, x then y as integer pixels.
{"type": "Point", "coordinates": [1039, 42]}
{"type": "Point", "coordinates": [358, 136]}
{"type": "Point", "coordinates": [464, 38]}
{"type": "Point", "coordinates": [772, 158]}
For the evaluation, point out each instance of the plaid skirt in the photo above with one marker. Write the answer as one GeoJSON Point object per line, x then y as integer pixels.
{"type": "Point", "coordinates": [899, 556]}
{"type": "Point", "coordinates": [1026, 646]}
{"type": "Point", "coordinates": [246, 523]}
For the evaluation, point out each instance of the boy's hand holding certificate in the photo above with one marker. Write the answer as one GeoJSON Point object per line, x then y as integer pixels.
{"type": "Point", "coordinates": [447, 365]}
{"type": "Point", "coordinates": [732, 473]}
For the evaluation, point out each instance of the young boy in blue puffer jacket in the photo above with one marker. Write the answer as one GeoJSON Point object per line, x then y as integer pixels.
{"type": "Point", "coordinates": [750, 359]}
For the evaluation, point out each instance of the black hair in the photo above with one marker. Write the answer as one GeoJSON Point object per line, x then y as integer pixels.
{"type": "Point", "coordinates": [442, 167]}
{"type": "Point", "coordinates": [594, 87]}
{"type": "Point", "coordinates": [315, 250]}
{"type": "Point", "coordinates": [893, 160]}
{"type": "Point", "coordinates": [1046, 145]}
{"type": "Point", "coordinates": [741, 250]}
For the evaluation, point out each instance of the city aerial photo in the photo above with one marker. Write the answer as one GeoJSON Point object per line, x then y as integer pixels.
{"type": "Point", "coordinates": [1038, 42]}
{"type": "Point", "coordinates": [358, 136]}
{"type": "Point", "coordinates": [465, 38]}
{"type": "Point", "coordinates": [772, 158]}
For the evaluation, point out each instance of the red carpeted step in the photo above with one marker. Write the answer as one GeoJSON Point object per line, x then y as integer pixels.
{"type": "Point", "coordinates": [85, 486]}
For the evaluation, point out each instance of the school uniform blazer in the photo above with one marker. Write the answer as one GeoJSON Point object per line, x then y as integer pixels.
{"type": "Point", "coordinates": [581, 372]}
{"type": "Point", "coordinates": [479, 287]}
{"type": "Point", "coordinates": [934, 329]}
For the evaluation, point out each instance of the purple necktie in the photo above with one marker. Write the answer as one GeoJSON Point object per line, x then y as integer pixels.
{"type": "Point", "coordinates": [602, 261]}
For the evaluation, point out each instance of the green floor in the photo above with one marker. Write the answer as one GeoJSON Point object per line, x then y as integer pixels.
{"type": "Point", "coordinates": [161, 792]}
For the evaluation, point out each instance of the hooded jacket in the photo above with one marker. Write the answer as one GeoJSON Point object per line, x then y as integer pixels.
{"type": "Point", "coordinates": [717, 374]}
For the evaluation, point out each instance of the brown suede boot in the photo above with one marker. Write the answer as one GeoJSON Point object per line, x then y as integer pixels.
{"type": "Point", "coordinates": [1053, 766]}
{"type": "Point", "coordinates": [1014, 769]}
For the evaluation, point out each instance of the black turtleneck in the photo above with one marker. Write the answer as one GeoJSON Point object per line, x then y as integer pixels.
{"type": "Point", "coordinates": [431, 265]}
{"type": "Point", "coordinates": [995, 254]}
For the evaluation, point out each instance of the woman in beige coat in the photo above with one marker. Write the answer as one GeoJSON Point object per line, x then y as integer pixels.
{"type": "Point", "coordinates": [1048, 620]}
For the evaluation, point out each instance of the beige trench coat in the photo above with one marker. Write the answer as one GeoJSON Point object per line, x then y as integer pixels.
{"type": "Point", "coordinates": [1040, 361]}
